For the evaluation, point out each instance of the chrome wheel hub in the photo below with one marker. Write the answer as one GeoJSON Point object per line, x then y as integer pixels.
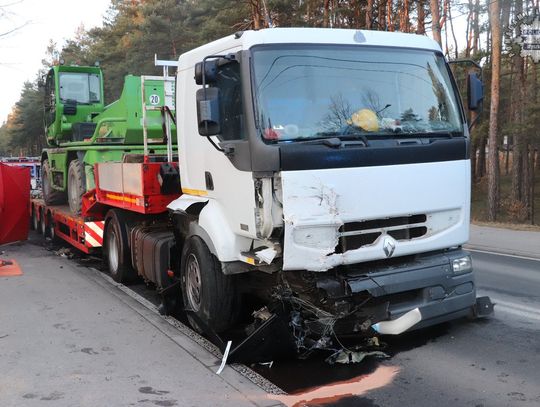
{"type": "Point", "coordinates": [112, 252]}
{"type": "Point", "coordinates": [193, 282]}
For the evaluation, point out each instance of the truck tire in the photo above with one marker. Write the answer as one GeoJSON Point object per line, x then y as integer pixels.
{"type": "Point", "coordinates": [50, 196]}
{"type": "Point", "coordinates": [76, 187]}
{"type": "Point", "coordinates": [116, 252]}
{"type": "Point", "coordinates": [206, 291]}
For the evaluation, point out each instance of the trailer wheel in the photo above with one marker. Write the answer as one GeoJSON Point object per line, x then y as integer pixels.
{"type": "Point", "coordinates": [76, 187]}
{"type": "Point", "coordinates": [116, 248]}
{"type": "Point", "coordinates": [207, 293]}
{"type": "Point", "coordinates": [43, 223]}
{"type": "Point", "coordinates": [35, 220]}
{"type": "Point", "coordinates": [50, 227]}
{"type": "Point", "coordinates": [50, 195]}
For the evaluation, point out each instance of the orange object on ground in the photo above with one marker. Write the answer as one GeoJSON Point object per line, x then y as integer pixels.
{"type": "Point", "coordinates": [10, 268]}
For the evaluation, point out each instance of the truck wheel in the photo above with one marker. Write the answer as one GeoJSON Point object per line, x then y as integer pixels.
{"type": "Point", "coordinates": [76, 187]}
{"type": "Point", "coordinates": [116, 251]}
{"type": "Point", "coordinates": [206, 291]}
{"type": "Point", "coordinates": [50, 196]}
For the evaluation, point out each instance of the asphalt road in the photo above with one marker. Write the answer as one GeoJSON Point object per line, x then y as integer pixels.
{"type": "Point", "coordinates": [483, 363]}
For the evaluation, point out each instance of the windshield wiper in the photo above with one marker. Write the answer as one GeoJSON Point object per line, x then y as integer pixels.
{"type": "Point", "coordinates": [333, 142]}
{"type": "Point", "coordinates": [345, 135]}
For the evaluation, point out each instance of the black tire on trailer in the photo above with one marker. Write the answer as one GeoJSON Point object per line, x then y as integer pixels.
{"type": "Point", "coordinates": [50, 227]}
{"type": "Point", "coordinates": [34, 221]}
{"type": "Point", "coordinates": [207, 292]}
{"type": "Point", "coordinates": [76, 186]}
{"type": "Point", "coordinates": [116, 251]}
{"type": "Point", "coordinates": [43, 223]}
{"type": "Point", "coordinates": [50, 196]}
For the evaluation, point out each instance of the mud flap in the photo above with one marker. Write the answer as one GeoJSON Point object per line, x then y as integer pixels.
{"type": "Point", "coordinates": [483, 307]}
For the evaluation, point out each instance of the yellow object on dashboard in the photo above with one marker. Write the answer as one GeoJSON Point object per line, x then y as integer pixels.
{"type": "Point", "coordinates": [366, 119]}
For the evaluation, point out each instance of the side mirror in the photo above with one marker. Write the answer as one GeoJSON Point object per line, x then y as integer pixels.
{"type": "Point", "coordinates": [208, 111]}
{"type": "Point", "coordinates": [210, 71]}
{"type": "Point", "coordinates": [475, 91]}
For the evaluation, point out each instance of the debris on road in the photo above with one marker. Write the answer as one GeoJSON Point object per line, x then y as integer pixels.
{"type": "Point", "coordinates": [345, 356]}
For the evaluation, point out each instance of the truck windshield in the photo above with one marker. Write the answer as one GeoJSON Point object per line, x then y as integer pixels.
{"type": "Point", "coordinates": [309, 92]}
{"type": "Point", "coordinates": [80, 87]}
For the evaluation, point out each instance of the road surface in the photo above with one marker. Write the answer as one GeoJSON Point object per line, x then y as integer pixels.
{"type": "Point", "coordinates": [492, 362]}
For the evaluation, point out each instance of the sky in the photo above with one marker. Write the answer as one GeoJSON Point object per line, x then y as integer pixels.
{"type": "Point", "coordinates": [22, 51]}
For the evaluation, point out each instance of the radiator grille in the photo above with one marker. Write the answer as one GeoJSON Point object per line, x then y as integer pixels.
{"type": "Point", "coordinates": [354, 235]}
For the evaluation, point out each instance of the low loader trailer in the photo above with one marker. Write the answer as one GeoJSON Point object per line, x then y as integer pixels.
{"type": "Point", "coordinates": [318, 188]}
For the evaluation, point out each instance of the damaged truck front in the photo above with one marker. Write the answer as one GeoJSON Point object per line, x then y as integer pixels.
{"type": "Point", "coordinates": [331, 183]}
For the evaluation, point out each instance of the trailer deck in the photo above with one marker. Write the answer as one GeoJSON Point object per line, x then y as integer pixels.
{"type": "Point", "coordinates": [84, 233]}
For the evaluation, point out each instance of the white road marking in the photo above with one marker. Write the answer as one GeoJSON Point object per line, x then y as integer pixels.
{"type": "Point", "coordinates": [502, 254]}
{"type": "Point", "coordinates": [511, 309]}
{"type": "Point", "coordinates": [506, 305]}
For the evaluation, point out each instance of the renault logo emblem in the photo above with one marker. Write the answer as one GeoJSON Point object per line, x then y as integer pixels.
{"type": "Point", "coordinates": [389, 246]}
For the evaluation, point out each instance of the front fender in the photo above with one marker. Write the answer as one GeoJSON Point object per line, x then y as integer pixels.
{"type": "Point", "coordinates": [212, 227]}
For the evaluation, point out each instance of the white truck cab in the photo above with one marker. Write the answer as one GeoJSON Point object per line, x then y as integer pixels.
{"type": "Point", "coordinates": [332, 165]}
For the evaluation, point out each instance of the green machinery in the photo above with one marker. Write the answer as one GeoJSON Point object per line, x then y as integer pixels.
{"type": "Point", "coordinates": [82, 131]}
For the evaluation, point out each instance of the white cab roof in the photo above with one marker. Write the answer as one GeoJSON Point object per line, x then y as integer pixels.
{"type": "Point", "coordinates": [307, 36]}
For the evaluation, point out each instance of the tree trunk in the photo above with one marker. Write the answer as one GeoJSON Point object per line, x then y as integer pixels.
{"type": "Point", "coordinates": [493, 158]}
{"type": "Point", "coordinates": [507, 156]}
{"type": "Point", "coordinates": [421, 29]}
{"type": "Point", "coordinates": [476, 28]}
{"type": "Point", "coordinates": [369, 14]}
{"type": "Point", "coordinates": [255, 14]}
{"type": "Point", "coordinates": [381, 15]}
{"type": "Point", "coordinates": [535, 153]}
{"type": "Point", "coordinates": [518, 97]}
{"type": "Point", "coordinates": [517, 165]}
{"type": "Point", "coordinates": [404, 16]}
{"type": "Point", "coordinates": [531, 170]}
{"type": "Point", "coordinates": [389, 15]}
{"type": "Point", "coordinates": [474, 148]}
{"type": "Point", "coordinates": [325, 13]}
{"type": "Point", "coordinates": [435, 16]}
{"type": "Point", "coordinates": [443, 23]}
{"type": "Point", "coordinates": [468, 31]}
{"type": "Point", "coordinates": [482, 157]}
{"type": "Point", "coordinates": [456, 51]}
{"type": "Point", "coordinates": [506, 13]}
{"type": "Point", "coordinates": [526, 181]}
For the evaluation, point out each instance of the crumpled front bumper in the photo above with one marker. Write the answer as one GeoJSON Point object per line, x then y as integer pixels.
{"type": "Point", "coordinates": [426, 282]}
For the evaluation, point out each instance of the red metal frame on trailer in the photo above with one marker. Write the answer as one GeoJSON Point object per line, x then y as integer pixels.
{"type": "Point", "coordinates": [135, 187]}
{"type": "Point", "coordinates": [86, 234]}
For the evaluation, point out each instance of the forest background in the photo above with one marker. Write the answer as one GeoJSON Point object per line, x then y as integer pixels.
{"type": "Point", "coordinates": [505, 178]}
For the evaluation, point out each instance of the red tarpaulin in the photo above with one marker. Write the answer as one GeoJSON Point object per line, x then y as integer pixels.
{"type": "Point", "coordinates": [14, 201]}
